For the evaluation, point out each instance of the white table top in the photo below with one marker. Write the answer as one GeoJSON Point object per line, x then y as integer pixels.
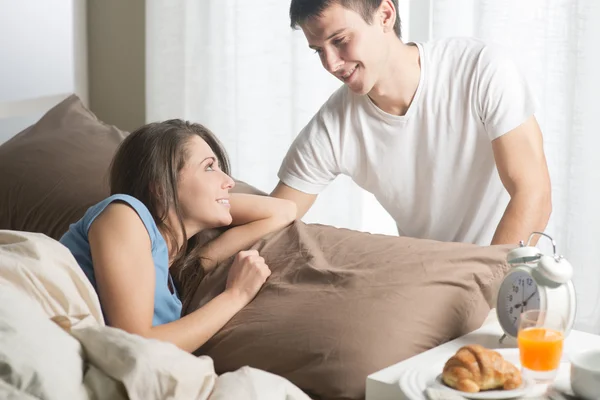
{"type": "Point", "coordinates": [383, 384]}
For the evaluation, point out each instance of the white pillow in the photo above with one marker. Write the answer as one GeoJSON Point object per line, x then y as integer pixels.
{"type": "Point", "coordinates": [46, 271]}
{"type": "Point", "coordinates": [36, 356]}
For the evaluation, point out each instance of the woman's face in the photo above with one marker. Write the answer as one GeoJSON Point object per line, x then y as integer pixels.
{"type": "Point", "coordinates": [203, 189]}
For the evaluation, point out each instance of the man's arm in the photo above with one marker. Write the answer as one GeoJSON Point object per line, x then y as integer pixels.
{"type": "Point", "coordinates": [303, 200]}
{"type": "Point", "coordinates": [521, 163]}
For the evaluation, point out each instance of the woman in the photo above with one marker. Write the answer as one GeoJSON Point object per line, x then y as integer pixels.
{"type": "Point", "coordinates": [168, 182]}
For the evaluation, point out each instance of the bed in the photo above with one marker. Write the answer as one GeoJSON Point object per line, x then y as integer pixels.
{"type": "Point", "coordinates": [339, 305]}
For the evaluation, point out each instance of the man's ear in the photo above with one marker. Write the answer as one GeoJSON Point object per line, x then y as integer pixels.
{"type": "Point", "coordinates": [387, 15]}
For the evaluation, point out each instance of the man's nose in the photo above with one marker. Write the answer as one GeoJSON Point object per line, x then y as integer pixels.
{"type": "Point", "coordinates": [332, 62]}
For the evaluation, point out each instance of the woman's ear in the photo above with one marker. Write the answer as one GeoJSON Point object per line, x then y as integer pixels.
{"type": "Point", "coordinates": [157, 191]}
{"type": "Point", "coordinates": [153, 187]}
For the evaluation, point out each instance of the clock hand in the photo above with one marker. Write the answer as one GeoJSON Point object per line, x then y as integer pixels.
{"type": "Point", "coordinates": [529, 298]}
{"type": "Point", "coordinates": [523, 293]}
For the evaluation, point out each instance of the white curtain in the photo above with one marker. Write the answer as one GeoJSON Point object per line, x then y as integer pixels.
{"type": "Point", "coordinates": [556, 42]}
{"type": "Point", "coordinates": [238, 68]}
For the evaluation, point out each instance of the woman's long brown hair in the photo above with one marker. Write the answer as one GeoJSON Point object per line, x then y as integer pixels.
{"type": "Point", "coordinates": [147, 165]}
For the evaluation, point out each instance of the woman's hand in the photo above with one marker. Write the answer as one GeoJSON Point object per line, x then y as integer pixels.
{"type": "Point", "coordinates": [247, 275]}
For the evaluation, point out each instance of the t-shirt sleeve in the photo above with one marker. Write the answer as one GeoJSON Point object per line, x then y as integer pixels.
{"type": "Point", "coordinates": [310, 163]}
{"type": "Point", "coordinates": [505, 99]}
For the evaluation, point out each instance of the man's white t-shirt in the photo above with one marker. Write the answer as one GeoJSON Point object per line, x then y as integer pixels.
{"type": "Point", "coordinates": [433, 168]}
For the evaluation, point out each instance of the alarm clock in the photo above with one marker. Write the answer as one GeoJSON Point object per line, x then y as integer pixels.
{"type": "Point", "coordinates": [535, 281]}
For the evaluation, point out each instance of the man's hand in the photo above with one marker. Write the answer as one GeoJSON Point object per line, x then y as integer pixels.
{"type": "Point", "coordinates": [521, 163]}
{"type": "Point", "coordinates": [303, 200]}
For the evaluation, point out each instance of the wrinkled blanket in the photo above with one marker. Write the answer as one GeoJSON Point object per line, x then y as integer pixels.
{"type": "Point", "coordinates": [54, 344]}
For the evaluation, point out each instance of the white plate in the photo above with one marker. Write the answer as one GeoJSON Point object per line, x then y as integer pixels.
{"type": "Point", "coordinates": [526, 387]}
{"type": "Point", "coordinates": [414, 382]}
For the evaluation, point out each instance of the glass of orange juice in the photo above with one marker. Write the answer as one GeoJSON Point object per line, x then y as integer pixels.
{"type": "Point", "coordinates": [540, 338]}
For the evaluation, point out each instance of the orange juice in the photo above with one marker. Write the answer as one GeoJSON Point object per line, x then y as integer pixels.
{"type": "Point", "coordinates": [540, 349]}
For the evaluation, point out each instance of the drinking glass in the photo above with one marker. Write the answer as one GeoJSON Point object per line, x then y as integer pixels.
{"type": "Point", "coordinates": [540, 338]}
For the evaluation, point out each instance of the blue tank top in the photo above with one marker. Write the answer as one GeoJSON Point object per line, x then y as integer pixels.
{"type": "Point", "coordinates": [167, 306]}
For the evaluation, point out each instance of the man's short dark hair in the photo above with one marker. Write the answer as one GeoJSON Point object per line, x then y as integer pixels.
{"type": "Point", "coordinates": [302, 10]}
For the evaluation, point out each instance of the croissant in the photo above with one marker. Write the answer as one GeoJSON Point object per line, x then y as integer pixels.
{"type": "Point", "coordinates": [474, 368]}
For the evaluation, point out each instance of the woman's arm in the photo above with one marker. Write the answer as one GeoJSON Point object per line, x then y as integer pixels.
{"type": "Point", "coordinates": [125, 278]}
{"type": "Point", "coordinates": [253, 217]}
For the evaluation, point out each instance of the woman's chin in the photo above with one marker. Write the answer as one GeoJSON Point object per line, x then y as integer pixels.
{"type": "Point", "coordinates": [227, 221]}
{"type": "Point", "coordinates": [217, 223]}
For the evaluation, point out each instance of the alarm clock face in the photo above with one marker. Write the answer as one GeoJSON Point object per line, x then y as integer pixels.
{"type": "Point", "coordinates": [518, 293]}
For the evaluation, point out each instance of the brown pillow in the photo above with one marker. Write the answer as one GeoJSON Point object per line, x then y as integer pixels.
{"type": "Point", "coordinates": [342, 304]}
{"type": "Point", "coordinates": [55, 169]}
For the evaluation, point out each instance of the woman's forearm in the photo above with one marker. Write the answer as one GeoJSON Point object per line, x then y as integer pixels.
{"type": "Point", "coordinates": [254, 217]}
{"type": "Point", "coordinates": [247, 208]}
{"type": "Point", "coordinates": [193, 330]}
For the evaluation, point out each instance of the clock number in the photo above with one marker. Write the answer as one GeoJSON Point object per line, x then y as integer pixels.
{"type": "Point", "coordinates": [529, 281]}
{"type": "Point", "coordinates": [510, 297]}
{"type": "Point", "coordinates": [510, 311]}
{"type": "Point", "coordinates": [514, 320]}
{"type": "Point", "coordinates": [516, 289]}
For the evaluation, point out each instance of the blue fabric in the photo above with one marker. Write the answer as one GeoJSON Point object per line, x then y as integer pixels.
{"type": "Point", "coordinates": [167, 306]}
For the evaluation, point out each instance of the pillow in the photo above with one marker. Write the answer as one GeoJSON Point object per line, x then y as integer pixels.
{"type": "Point", "coordinates": [46, 272]}
{"type": "Point", "coordinates": [55, 169]}
{"type": "Point", "coordinates": [36, 356]}
{"type": "Point", "coordinates": [342, 304]}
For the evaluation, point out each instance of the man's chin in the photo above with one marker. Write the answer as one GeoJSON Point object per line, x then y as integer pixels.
{"type": "Point", "coordinates": [360, 88]}
{"type": "Point", "coordinates": [361, 91]}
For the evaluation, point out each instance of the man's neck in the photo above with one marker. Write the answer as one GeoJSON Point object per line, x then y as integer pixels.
{"type": "Point", "coordinates": [399, 79]}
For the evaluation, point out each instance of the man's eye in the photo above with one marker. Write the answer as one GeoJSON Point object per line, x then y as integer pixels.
{"type": "Point", "coordinates": [339, 42]}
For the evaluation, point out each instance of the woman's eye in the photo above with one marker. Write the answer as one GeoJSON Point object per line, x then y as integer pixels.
{"type": "Point", "coordinates": [210, 167]}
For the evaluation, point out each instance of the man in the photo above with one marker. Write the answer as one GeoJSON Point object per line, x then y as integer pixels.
{"type": "Point", "coordinates": [442, 133]}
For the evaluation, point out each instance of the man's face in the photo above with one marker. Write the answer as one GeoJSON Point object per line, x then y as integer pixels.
{"type": "Point", "coordinates": [350, 48]}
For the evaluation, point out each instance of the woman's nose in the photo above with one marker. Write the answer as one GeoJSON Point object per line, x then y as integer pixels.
{"type": "Point", "coordinates": [228, 183]}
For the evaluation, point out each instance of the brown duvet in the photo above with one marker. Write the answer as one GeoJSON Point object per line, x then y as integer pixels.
{"type": "Point", "coordinates": [342, 304]}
